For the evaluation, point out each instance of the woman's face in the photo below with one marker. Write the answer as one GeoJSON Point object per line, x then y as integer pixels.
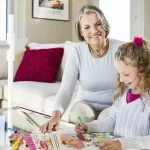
{"type": "Point", "coordinates": [92, 30]}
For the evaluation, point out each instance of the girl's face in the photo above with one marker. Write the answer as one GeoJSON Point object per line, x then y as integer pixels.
{"type": "Point", "coordinates": [92, 30]}
{"type": "Point", "coordinates": [128, 75]}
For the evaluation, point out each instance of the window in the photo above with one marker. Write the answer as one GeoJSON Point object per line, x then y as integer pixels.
{"type": "Point", "coordinates": [3, 20]}
{"type": "Point", "coordinates": [117, 13]}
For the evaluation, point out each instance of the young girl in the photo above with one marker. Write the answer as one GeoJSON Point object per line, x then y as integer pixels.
{"type": "Point", "coordinates": [129, 116]}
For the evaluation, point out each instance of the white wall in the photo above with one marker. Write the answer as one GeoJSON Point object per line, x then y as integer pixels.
{"type": "Point", "coordinates": [147, 19]}
{"type": "Point", "coordinates": [77, 4]}
{"type": "Point", "coordinates": [32, 28]}
{"type": "Point", "coordinates": [93, 2]}
{"type": "Point", "coordinates": [46, 31]}
{"type": "Point", "coordinates": [20, 16]}
{"type": "Point", "coordinates": [137, 18]}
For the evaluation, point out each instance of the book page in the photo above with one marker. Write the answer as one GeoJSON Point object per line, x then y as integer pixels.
{"type": "Point", "coordinates": [66, 140]}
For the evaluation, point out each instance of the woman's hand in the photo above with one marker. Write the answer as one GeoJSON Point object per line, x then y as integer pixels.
{"type": "Point", "coordinates": [113, 145]}
{"type": "Point", "coordinates": [52, 124]}
{"type": "Point", "coordinates": [81, 129]}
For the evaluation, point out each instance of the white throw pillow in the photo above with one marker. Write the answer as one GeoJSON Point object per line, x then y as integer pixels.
{"type": "Point", "coordinates": [68, 47]}
{"type": "Point", "coordinates": [35, 45]}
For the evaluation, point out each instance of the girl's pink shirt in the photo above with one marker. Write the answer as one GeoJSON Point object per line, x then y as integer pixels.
{"type": "Point", "coordinates": [131, 97]}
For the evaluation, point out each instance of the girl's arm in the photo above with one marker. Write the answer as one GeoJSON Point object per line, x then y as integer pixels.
{"type": "Point", "coordinates": [135, 142]}
{"type": "Point", "coordinates": [105, 125]}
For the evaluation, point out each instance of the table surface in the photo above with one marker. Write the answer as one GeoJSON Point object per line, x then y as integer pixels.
{"type": "Point", "coordinates": [24, 121]}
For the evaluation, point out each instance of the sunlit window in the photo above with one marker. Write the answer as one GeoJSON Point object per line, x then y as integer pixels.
{"type": "Point", "coordinates": [2, 20]}
{"type": "Point", "coordinates": [117, 13]}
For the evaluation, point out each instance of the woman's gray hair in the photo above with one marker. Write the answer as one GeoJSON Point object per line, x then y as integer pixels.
{"type": "Point", "coordinates": [88, 9]}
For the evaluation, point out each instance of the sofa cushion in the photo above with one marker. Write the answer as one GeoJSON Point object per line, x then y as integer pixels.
{"type": "Point", "coordinates": [35, 45]}
{"type": "Point", "coordinates": [50, 102]}
{"type": "Point", "coordinates": [32, 95]}
{"type": "Point", "coordinates": [68, 48]}
{"type": "Point", "coordinates": [39, 65]}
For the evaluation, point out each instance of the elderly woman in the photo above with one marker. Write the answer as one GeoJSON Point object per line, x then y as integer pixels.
{"type": "Point", "coordinates": [91, 64]}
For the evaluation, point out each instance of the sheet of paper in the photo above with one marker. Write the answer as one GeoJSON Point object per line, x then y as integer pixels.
{"type": "Point", "coordinates": [83, 141]}
{"type": "Point", "coordinates": [69, 140]}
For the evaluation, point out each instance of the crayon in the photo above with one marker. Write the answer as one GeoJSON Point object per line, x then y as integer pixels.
{"type": "Point", "coordinates": [79, 121]}
{"type": "Point", "coordinates": [14, 142]}
{"type": "Point", "coordinates": [15, 134]}
{"type": "Point", "coordinates": [17, 143]}
{"type": "Point", "coordinates": [13, 139]}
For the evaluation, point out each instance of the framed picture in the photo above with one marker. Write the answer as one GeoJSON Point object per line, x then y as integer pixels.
{"type": "Point", "coordinates": [51, 9]}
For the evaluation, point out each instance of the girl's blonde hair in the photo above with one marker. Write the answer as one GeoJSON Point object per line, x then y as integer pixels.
{"type": "Point", "coordinates": [139, 57]}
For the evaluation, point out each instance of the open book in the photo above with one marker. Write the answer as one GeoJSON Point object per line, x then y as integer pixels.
{"type": "Point", "coordinates": [67, 141]}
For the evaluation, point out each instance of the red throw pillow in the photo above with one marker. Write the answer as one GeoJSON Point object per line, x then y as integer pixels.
{"type": "Point", "coordinates": [39, 65]}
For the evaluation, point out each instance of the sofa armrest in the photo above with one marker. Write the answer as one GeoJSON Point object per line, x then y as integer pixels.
{"type": "Point", "coordinates": [4, 66]}
{"type": "Point", "coordinates": [19, 50]}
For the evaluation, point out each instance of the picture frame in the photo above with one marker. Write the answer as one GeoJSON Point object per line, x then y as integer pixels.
{"type": "Point", "coordinates": [51, 9]}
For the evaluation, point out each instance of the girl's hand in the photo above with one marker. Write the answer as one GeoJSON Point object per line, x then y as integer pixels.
{"type": "Point", "coordinates": [113, 145]}
{"type": "Point", "coordinates": [81, 129]}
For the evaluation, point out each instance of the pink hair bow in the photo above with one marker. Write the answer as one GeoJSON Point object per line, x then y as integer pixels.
{"type": "Point", "coordinates": [138, 41]}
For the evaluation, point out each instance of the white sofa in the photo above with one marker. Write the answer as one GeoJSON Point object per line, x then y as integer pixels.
{"type": "Point", "coordinates": [37, 96]}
